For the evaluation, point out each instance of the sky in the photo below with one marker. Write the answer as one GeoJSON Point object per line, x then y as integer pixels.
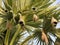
{"type": "Point", "coordinates": [56, 3]}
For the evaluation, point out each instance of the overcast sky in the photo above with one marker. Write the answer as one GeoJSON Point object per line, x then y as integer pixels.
{"type": "Point", "coordinates": [56, 3]}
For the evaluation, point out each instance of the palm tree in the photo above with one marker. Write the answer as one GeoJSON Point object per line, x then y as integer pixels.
{"type": "Point", "coordinates": [24, 21]}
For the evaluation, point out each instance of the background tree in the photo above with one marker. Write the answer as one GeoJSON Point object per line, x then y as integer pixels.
{"type": "Point", "coordinates": [28, 20]}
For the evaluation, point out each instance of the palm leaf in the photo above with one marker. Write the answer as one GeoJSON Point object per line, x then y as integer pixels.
{"type": "Point", "coordinates": [8, 7]}
{"type": "Point", "coordinates": [25, 7]}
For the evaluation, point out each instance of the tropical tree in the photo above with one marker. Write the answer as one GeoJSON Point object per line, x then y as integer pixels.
{"type": "Point", "coordinates": [24, 21]}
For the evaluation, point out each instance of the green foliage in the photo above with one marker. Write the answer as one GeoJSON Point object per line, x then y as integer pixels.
{"type": "Point", "coordinates": [18, 12]}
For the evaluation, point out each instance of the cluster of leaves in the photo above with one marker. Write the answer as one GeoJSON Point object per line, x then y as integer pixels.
{"type": "Point", "coordinates": [18, 20]}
